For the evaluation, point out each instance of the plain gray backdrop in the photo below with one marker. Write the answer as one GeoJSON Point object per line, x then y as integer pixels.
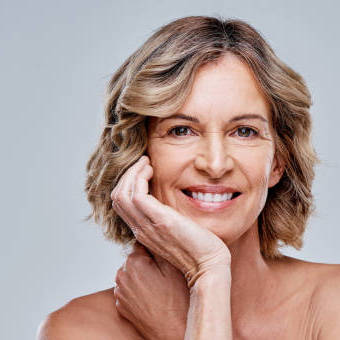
{"type": "Point", "coordinates": [56, 58]}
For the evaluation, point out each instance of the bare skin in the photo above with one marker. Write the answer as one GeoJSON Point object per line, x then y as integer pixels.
{"type": "Point", "coordinates": [283, 299]}
{"type": "Point", "coordinates": [296, 303]}
{"type": "Point", "coordinates": [95, 316]}
{"type": "Point", "coordinates": [147, 273]}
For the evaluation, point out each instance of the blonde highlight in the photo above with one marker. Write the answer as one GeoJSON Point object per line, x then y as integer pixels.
{"type": "Point", "coordinates": [157, 79]}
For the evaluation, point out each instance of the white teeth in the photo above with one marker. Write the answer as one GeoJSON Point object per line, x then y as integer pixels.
{"type": "Point", "coordinates": [209, 197]}
{"type": "Point", "coordinates": [218, 198]}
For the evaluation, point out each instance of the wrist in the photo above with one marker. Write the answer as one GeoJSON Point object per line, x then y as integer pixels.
{"type": "Point", "coordinates": [215, 278]}
{"type": "Point", "coordinates": [209, 315]}
{"type": "Point", "coordinates": [209, 273]}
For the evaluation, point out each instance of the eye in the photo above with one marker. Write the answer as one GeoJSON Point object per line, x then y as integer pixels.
{"type": "Point", "coordinates": [180, 131]}
{"type": "Point", "coordinates": [245, 131]}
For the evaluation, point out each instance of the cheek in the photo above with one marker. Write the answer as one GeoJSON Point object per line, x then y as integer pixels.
{"type": "Point", "coordinates": [256, 163]}
{"type": "Point", "coordinates": [262, 171]}
{"type": "Point", "coordinates": [165, 165]}
{"type": "Point", "coordinates": [259, 175]}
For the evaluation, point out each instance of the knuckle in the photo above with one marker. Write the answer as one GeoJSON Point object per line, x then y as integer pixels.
{"type": "Point", "coordinates": [119, 273]}
{"type": "Point", "coordinates": [134, 199]}
{"type": "Point", "coordinates": [130, 262]}
{"type": "Point", "coordinates": [120, 277]}
{"type": "Point", "coordinates": [118, 280]}
{"type": "Point", "coordinates": [116, 292]}
{"type": "Point", "coordinates": [119, 305]}
{"type": "Point", "coordinates": [136, 261]}
{"type": "Point", "coordinates": [161, 223]}
{"type": "Point", "coordinates": [113, 194]}
{"type": "Point", "coordinates": [137, 199]}
{"type": "Point", "coordinates": [119, 199]}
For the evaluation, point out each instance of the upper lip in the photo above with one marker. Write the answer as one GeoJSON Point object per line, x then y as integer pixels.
{"type": "Point", "coordinates": [214, 189]}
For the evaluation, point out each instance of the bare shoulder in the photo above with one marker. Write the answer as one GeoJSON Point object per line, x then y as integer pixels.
{"type": "Point", "coordinates": [318, 275]}
{"type": "Point", "coordinates": [89, 317]}
{"type": "Point", "coordinates": [324, 279]}
{"type": "Point", "coordinates": [327, 302]}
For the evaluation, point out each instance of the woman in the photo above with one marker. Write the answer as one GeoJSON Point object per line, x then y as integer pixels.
{"type": "Point", "coordinates": [205, 161]}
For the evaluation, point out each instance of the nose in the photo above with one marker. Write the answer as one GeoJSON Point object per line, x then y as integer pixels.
{"type": "Point", "coordinates": [213, 156]}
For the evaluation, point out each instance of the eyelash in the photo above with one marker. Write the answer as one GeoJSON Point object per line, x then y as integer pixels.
{"type": "Point", "coordinates": [170, 131]}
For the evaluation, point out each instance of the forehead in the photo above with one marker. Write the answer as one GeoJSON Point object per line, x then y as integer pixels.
{"type": "Point", "coordinates": [223, 89]}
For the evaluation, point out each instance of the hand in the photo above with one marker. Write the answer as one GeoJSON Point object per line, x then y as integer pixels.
{"type": "Point", "coordinates": [153, 295]}
{"type": "Point", "coordinates": [189, 247]}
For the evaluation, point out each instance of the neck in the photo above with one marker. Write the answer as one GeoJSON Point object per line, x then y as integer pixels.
{"type": "Point", "coordinates": [253, 277]}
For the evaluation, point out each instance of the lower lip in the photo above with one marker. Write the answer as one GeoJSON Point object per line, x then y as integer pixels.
{"type": "Point", "coordinates": [210, 206]}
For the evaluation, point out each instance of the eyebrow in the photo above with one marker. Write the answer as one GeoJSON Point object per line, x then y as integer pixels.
{"type": "Point", "coordinates": [232, 120]}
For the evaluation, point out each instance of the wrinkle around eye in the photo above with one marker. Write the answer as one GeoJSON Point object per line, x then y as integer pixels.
{"type": "Point", "coordinates": [166, 133]}
{"type": "Point", "coordinates": [255, 133]}
{"type": "Point", "coordinates": [170, 131]}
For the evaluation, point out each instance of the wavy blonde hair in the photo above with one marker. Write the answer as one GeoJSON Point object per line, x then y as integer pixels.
{"type": "Point", "coordinates": [155, 81]}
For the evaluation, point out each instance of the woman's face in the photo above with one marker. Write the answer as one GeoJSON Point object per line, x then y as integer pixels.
{"type": "Point", "coordinates": [219, 144]}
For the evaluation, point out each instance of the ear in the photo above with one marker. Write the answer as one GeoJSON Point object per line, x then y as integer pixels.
{"type": "Point", "coordinates": [276, 172]}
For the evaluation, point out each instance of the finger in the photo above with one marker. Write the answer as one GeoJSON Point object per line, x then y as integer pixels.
{"type": "Point", "coordinates": [122, 185]}
{"type": "Point", "coordinates": [123, 193]}
{"type": "Point", "coordinates": [135, 182]}
{"type": "Point", "coordinates": [116, 189]}
{"type": "Point", "coordinates": [118, 208]}
{"type": "Point", "coordinates": [139, 249]}
{"type": "Point", "coordinates": [130, 181]}
{"type": "Point", "coordinates": [121, 196]}
{"type": "Point", "coordinates": [159, 214]}
{"type": "Point", "coordinates": [142, 180]}
{"type": "Point", "coordinates": [152, 208]}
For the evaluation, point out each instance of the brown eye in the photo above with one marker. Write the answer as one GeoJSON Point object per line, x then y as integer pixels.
{"type": "Point", "coordinates": [180, 131]}
{"type": "Point", "coordinates": [246, 132]}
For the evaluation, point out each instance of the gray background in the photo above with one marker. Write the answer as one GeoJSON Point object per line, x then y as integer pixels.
{"type": "Point", "coordinates": [56, 58]}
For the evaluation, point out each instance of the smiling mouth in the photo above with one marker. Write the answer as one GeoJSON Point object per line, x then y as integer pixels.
{"type": "Point", "coordinates": [211, 197]}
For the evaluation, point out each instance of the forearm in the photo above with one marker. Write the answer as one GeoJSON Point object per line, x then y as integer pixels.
{"type": "Point", "coordinates": [209, 315]}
